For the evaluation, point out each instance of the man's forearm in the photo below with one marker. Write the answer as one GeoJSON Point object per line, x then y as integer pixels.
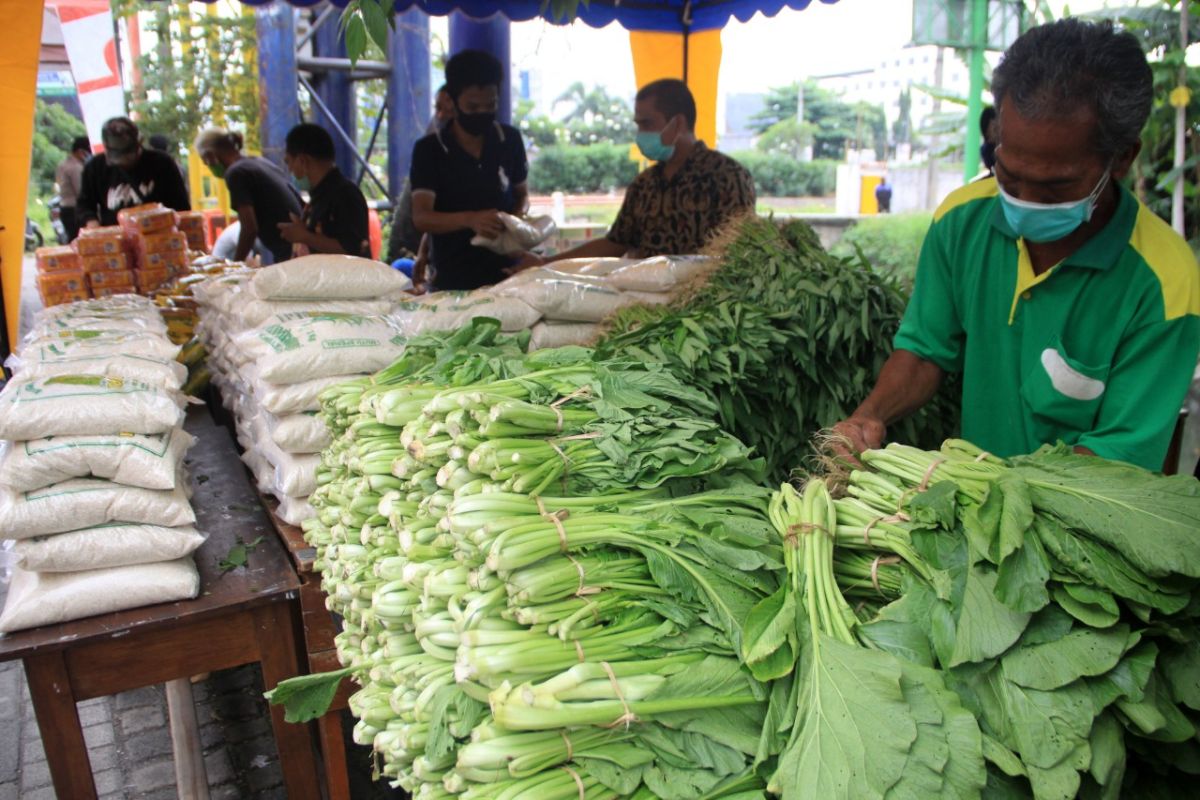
{"type": "Point", "coordinates": [245, 243]}
{"type": "Point", "coordinates": [597, 248]}
{"type": "Point", "coordinates": [442, 221]}
{"type": "Point", "coordinates": [906, 383]}
{"type": "Point", "coordinates": [320, 243]}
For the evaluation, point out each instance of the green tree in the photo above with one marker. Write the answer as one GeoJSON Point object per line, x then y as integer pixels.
{"type": "Point", "coordinates": [595, 116]}
{"type": "Point", "coordinates": [201, 71]}
{"type": "Point", "coordinates": [53, 129]}
{"type": "Point", "coordinates": [835, 123]}
{"type": "Point", "coordinates": [787, 137]}
{"type": "Point", "coordinates": [902, 128]}
{"type": "Point", "coordinates": [538, 129]}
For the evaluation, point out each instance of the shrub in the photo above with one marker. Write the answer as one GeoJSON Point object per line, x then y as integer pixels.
{"type": "Point", "coordinates": [578, 169]}
{"type": "Point", "coordinates": [891, 242]}
{"type": "Point", "coordinates": [779, 175]}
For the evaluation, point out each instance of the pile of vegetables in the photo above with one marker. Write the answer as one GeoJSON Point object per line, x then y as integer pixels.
{"type": "Point", "coordinates": [560, 579]}
{"type": "Point", "coordinates": [785, 338]}
{"type": "Point", "coordinates": [542, 562]}
{"type": "Point", "coordinates": [1035, 635]}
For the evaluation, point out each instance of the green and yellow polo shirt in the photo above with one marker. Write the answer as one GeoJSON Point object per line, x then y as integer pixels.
{"type": "Point", "coordinates": [1097, 351]}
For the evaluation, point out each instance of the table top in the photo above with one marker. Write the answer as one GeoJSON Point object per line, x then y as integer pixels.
{"type": "Point", "coordinates": [228, 510]}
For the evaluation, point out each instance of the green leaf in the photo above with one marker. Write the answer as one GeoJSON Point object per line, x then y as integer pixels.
{"type": "Point", "coordinates": [1149, 519]}
{"type": "Point", "coordinates": [769, 636]}
{"type": "Point", "coordinates": [854, 731]}
{"type": "Point", "coordinates": [1081, 653]}
{"type": "Point", "coordinates": [1022, 577]}
{"type": "Point", "coordinates": [1108, 751]}
{"type": "Point", "coordinates": [1091, 607]}
{"type": "Point", "coordinates": [984, 627]}
{"type": "Point", "coordinates": [307, 697]}
{"type": "Point", "coordinates": [377, 16]}
{"type": "Point", "coordinates": [1180, 669]}
{"type": "Point", "coordinates": [238, 555]}
{"type": "Point", "coordinates": [356, 36]}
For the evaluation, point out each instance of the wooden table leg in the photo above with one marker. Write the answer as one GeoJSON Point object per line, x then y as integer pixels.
{"type": "Point", "coordinates": [58, 720]}
{"type": "Point", "coordinates": [275, 625]}
{"type": "Point", "coordinates": [191, 779]}
{"type": "Point", "coordinates": [333, 754]}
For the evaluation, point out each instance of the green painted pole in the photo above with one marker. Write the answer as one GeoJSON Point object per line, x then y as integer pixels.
{"type": "Point", "coordinates": [975, 92]}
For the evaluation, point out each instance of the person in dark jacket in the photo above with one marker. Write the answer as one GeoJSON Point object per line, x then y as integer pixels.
{"type": "Point", "coordinates": [259, 192]}
{"type": "Point", "coordinates": [335, 219]}
{"type": "Point", "coordinates": [127, 174]}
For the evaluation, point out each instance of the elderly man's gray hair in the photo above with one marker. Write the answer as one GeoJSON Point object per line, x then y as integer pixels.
{"type": "Point", "coordinates": [1054, 70]}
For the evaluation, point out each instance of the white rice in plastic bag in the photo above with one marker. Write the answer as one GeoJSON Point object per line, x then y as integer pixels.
{"type": "Point", "coordinates": [295, 398]}
{"type": "Point", "coordinates": [442, 311]}
{"type": "Point", "coordinates": [596, 267]}
{"type": "Point", "coordinates": [86, 503]}
{"type": "Point", "coordinates": [165, 373]}
{"type": "Point", "coordinates": [298, 433]}
{"type": "Point", "coordinates": [518, 234]}
{"type": "Point", "coordinates": [82, 405]}
{"type": "Point", "coordinates": [328, 277]}
{"type": "Point", "coordinates": [254, 313]}
{"type": "Point", "coordinates": [92, 344]}
{"type": "Point", "coordinates": [147, 461]}
{"type": "Point", "coordinates": [36, 599]}
{"type": "Point", "coordinates": [321, 346]}
{"type": "Point", "coordinates": [106, 546]}
{"type": "Point", "coordinates": [295, 474]}
{"type": "Point", "coordinates": [561, 334]}
{"type": "Point", "coordinates": [136, 323]}
{"type": "Point", "coordinates": [294, 510]}
{"type": "Point", "coordinates": [565, 298]}
{"type": "Point", "coordinates": [660, 274]}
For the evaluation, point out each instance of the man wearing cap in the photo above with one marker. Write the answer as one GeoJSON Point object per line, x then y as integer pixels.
{"type": "Point", "coordinates": [126, 174]}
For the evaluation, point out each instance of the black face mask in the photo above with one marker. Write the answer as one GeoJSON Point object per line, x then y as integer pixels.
{"type": "Point", "coordinates": [476, 124]}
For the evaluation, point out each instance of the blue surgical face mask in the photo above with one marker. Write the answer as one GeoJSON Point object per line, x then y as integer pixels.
{"type": "Point", "coordinates": [301, 182]}
{"type": "Point", "coordinates": [1049, 222]}
{"type": "Point", "coordinates": [652, 147]}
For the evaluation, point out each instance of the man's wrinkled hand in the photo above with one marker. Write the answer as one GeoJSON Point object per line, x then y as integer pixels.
{"type": "Point", "coordinates": [856, 434]}
{"type": "Point", "coordinates": [294, 231]}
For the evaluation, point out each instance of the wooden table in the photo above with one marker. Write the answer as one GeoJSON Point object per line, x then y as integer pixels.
{"type": "Point", "coordinates": [320, 650]}
{"type": "Point", "coordinates": [245, 615]}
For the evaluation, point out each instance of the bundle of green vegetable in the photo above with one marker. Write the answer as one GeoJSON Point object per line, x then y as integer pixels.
{"type": "Point", "coordinates": [539, 600]}
{"type": "Point", "coordinates": [1037, 635]}
{"type": "Point", "coordinates": [785, 338]}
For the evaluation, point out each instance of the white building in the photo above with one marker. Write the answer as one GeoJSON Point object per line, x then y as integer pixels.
{"type": "Point", "coordinates": [882, 82]}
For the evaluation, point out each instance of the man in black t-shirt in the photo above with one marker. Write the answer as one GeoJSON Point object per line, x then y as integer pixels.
{"type": "Point", "coordinates": [465, 174]}
{"type": "Point", "coordinates": [125, 175]}
{"type": "Point", "coordinates": [259, 192]}
{"type": "Point", "coordinates": [335, 219]}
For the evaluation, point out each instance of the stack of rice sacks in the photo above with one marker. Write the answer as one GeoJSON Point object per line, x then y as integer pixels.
{"type": "Point", "coordinates": [93, 493]}
{"type": "Point", "coordinates": [160, 251]}
{"type": "Point", "coordinates": [276, 338]}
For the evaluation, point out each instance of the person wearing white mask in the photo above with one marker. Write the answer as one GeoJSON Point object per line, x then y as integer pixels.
{"type": "Point", "coordinates": [1071, 311]}
{"type": "Point", "coordinates": [674, 207]}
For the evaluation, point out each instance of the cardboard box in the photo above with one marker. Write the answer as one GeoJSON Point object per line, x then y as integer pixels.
{"type": "Point", "coordinates": [121, 277]}
{"type": "Point", "coordinates": [108, 263]}
{"type": "Point", "coordinates": [57, 259]}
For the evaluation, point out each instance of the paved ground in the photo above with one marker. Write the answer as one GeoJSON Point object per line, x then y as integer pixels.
{"type": "Point", "coordinates": [130, 746]}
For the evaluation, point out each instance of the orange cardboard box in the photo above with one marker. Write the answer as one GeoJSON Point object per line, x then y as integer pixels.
{"type": "Point", "coordinates": [109, 263]}
{"type": "Point", "coordinates": [125, 213]}
{"type": "Point", "coordinates": [63, 282]}
{"type": "Point", "coordinates": [152, 221]}
{"type": "Point", "coordinates": [150, 279]}
{"type": "Point", "coordinates": [175, 261]}
{"type": "Point", "coordinates": [121, 277]}
{"type": "Point", "coordinates": [109, 291]}
{"type": "Point", "coordinates": [190, 221]}
{"type": "Point", "coordinates": [57, 259]}
{"type": "Point", "coordinates": [106, 244]}
{"type": "Point", "coordinates": [165, 242]}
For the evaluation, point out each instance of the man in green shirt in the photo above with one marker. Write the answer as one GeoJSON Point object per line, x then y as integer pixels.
{"type": "Point", "coordinates": [1072, 311]}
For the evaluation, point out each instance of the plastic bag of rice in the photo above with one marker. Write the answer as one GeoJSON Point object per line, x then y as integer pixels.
{"type": "Point", "coordinates": [255, 313]}
{"type": "Point", "coordinates": [145, 461]}
{"type": "Point", "coordinates": [37, 598]}
{"type": "Point", "coordinates": [518, 234]}
{"type": "Point", "coordinates": [88, 502]}
{"type": "Point", "coordinates": [321, 346]}
{"type": "Point", "coordinates": [84, 405]}
{"type": "Point", "coordinates": [443, 311]}
{"type": "Point", "coordinates": [164, 373]}
{"type": "Point", "coordinates": [298, 433]}
{"type": "Point", "coordinates": [106, 546]}
{"type": "Point", "coordinates": [328, 277]}
{"type": "Point", "coordinates": [661, 273]}
{"type": "Point", "coordinates": [93, 345]}
{"type": "Point", "coordinates": [562, 334]}
{"type": "Point", "coordinates": [295, 398]}
{"type": "Point", "coordinates": [565, 298]}
{"type": "Point", "coordinates": [596, 267]}
{"type": "Point", "coordinates": [295, 474]}
{"type": "Point", "coordinates": [295, 510]}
